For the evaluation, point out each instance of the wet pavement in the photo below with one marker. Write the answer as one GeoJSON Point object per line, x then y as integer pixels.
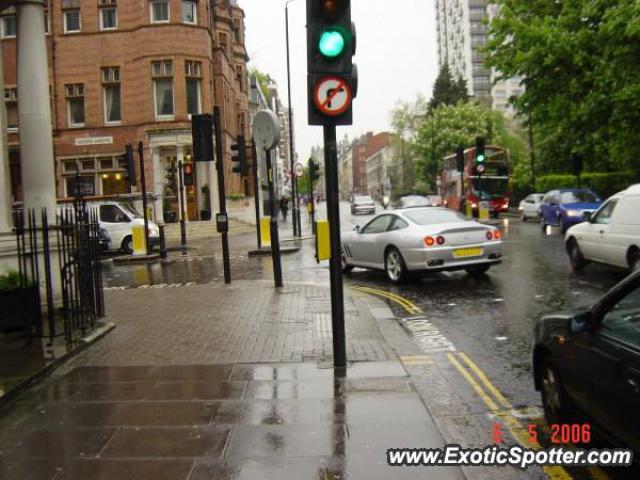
{"type": "Point", "coordinates": [218, 422]}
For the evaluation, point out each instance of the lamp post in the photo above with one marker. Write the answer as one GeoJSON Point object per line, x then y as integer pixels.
{"type": "Point", "coordinates": [295, 212]}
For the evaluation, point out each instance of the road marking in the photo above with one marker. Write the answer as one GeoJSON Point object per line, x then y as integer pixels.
{"type": "Point", "coordinates": [409, 306]}
{"type": "Point", "coordinates": [483, 378]}
{"type": "Point", "coordinates": [416, 360]}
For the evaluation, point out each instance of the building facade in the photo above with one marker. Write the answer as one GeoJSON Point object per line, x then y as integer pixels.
{"type": "Point", "coordinates": [462, 32]}
{"type": "Point", "coordinates": [135, 71]}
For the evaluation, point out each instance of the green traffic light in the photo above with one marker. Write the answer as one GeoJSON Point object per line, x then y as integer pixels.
{"type": "Point", "coordinates": [331, 43]}
{"type": "Point", "coordinates": [480, 158]}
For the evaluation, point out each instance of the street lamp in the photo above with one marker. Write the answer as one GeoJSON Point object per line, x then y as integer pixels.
{"type": "Point", "coordinates": [295, 212]}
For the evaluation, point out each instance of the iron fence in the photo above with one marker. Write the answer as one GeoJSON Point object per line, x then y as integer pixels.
{"type": "Point", "coordinates": [60, 259]}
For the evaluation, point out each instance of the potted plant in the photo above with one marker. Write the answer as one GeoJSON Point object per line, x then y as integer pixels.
{"type": "Point", "coordinates": [17, 302]}
{"type": "Point", "coordinates": [205, 213]}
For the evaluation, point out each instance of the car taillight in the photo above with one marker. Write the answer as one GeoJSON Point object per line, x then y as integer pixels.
{"type": "Point", "coordinates": [440, 240]}
{"type": "Point", "coordinates": [489, 235]}
{"type": "Point", "coordinates": [429, 241]}
{"type": "Point", "coordinates": [497, 234]}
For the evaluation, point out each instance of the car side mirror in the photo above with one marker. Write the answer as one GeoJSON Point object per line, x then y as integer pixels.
{"type": "Point", "coordinates": [356, 228]}
{"type": "Point", "coordinates": [580, 323]}
{"type": "Point", "coordinates": [587, 216]}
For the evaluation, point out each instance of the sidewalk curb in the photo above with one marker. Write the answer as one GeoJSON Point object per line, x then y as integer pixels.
{"type": "Point", "coordinates": [266, 251]}
{"type": "Point", "coordinates": [46, 371]}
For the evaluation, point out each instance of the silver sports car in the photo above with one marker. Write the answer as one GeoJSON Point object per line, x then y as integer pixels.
{"type": "Point", "coordinates": [419, 240]}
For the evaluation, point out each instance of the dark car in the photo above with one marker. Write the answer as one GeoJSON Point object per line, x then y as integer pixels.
{"type": "Point", "coordinates": [565, 208]}
{"type": "Point", "coordinates": [587, 361]}
{"type": "Point", "coordinates": [410, 201]}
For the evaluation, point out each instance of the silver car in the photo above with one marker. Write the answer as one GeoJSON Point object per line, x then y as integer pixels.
{"type": "Point", "coordinates": [362, 204]}
{"type": "Point", "coordinates": [422, 240]}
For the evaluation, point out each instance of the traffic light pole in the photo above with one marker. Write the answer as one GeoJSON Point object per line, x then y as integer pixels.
{"type": "Point", "coordinates": [143, 184]}
{"type": "Point", "coordinates": [256, 193]}
{"type": "Point", "coordinates": [183, 227]}
{"type": "Point", "coordinates": [275, 239]}
{"type": "Point", "coordinates": [295, 211]}
{"type": "Point", "coordinates": [221, 193]}
{"type": "Point", "coordinates": [335, 266]}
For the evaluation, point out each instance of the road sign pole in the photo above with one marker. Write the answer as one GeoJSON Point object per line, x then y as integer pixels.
{"type": "Point", "coordinates": [257, 186]}
{"type": "Point", "coordinates": [275, 239]}
{"type": "Point", "coordinates": [335, 268]}
{"type": "Point", "coordinates": [183, 228]}
{"type": "Point", "coordinates": [221, 193]}
{"type": "Point", "coordinates": [144, 197]}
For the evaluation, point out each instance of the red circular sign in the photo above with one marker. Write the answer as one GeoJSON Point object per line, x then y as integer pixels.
{"type": "Point", "coordinates": [332, 96]}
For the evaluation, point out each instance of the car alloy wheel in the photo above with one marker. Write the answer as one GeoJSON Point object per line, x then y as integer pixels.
{"type": "Point", "coordinates": [575, 256]}
{"type": "Point", "coordinates": [552, 393]}
{"type": "Point", "coordinates": [394, 266]}
{"type": "Point", "coordinates": [345, 267]}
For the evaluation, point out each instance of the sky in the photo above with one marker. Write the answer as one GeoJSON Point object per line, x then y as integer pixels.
{"type": "Point", "coordinates": [396, 57]}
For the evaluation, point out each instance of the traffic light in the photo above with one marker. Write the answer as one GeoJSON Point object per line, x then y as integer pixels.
{"type": "Point", "coordinates": [460, 158]}
{"type": "Point", "coordinates": [202, 137]}
{"type": "Point", "coordinates": [187, 173]}
{"type": "Point", "coordinates": [240, 159]}
{"type": "Point", "coordinates": [130, 165]}
{"type": "Point", "coordinates": [314, 170]}
{"type": "Point", "coordinates": [480, 150]}
{"type": "Point", "coordinates": [332, 76]}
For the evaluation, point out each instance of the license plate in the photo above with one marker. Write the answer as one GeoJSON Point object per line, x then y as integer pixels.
{"type": "Point", "coordinates": [468, 252]}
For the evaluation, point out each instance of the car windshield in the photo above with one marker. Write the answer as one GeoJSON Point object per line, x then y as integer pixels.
{"type": "Point", "coordinates": [489, 188]}
{"type": "Point", "coordinates": [414, 201]}
{"type": "Point", "coordinates": [363, 200]}
{"type": "Point", "coordinates": [435, 216]}
{"type": "Point", "coordinates": [578, 197]}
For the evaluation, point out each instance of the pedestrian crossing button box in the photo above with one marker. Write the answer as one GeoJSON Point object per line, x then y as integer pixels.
{"type": "Point", "coordinates": [222, 223]}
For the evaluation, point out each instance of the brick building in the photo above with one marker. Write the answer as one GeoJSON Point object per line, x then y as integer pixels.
{"type": "Point", "coordinates": [124, 71]}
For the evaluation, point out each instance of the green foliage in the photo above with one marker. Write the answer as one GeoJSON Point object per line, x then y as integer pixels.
{"type": "Point", "coordinates": [580, 64]}
{"type": "Point", "coordinates": [264, 79]}
{"type": "Point", "coordinates": [235, 196]}
{"type": "Point", "coordinates": [12, 280]}
{"type": "Point", "coordinates": [446, 91]}
{"type": "Point", "coordinates": [605, 184]}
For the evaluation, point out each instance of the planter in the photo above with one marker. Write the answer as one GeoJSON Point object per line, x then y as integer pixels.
{"type": "Point", "coordinates": [18, 309]}
{"type": "Point", "coordinates": [205, 215]}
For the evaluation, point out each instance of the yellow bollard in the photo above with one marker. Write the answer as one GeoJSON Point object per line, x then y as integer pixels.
{"type": "Point", "coordinates": [323, 242]}
{"type": "Point", "coordinates": [468, 210]}
{"type": "Point", "coordinates": [139, 245]}
{"type": "Point", "coordinates": [265, 231]}
{"type": "Point", "coordinates": [483, 211]}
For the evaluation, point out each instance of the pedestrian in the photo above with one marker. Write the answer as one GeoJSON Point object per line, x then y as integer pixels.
{"type": "Point", "coordinates": [284, 207]}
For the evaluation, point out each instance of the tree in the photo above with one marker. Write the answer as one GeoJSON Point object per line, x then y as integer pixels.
{"type": "Point", "coordinates": [446, 91]}
{"type": "Point", "coordinates": [264, 80]}
{"type": "Point", "coordinates": [580, 64]}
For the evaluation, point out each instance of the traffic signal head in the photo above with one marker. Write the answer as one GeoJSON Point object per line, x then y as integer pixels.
{"type": "Point", "coordinates": [240, 159]}
{"type": "Point", "coordinates": [480, 150]}
{"type": "Point", "coordinates": [332, 76]}
{"type": "Point", "coordinates": [130, 165]}
{"type": "Point", "coordinates": [187, 173]}
{"type": "Point", "coordinates": [202, 136]}
{"type": "Point", "coordinates": [314, 170]}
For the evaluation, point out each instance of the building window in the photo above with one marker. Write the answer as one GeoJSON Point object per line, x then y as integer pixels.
{"type": "Point", "coordinates": [86, 185]}
{"type": "Point", "coordinates": [71, 15]}
{"type": "Point", "coordinates": [189, 11]}
{"type": "Point", "coordinates": [11, 102]}
{"type": "Point", "coordinates": [75, 104]}
{"type": "Point", "coordinates": [108, 18]}
{"type": "Point", "coordinates": [111, 94]}
{"type": "Point", "coordinates": [162, 72]}
{"type": "Point", "coordinates": [8, 27]}
{"type": "Point", "coordinates": [159, 11]}
{"type": "Point", "coordinates": [193, 74]}
{"type": "Point", "coordinates": [223, 41]}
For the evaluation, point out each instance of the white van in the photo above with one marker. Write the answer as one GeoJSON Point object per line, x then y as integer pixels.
{"type": "Point", "coordinates": [611, 235]}
{"type": "Point", "coordinates": [118, 218]}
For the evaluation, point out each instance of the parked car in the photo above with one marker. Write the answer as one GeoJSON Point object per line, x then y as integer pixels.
{"type": "Point", "coordinates": [422, 240]}
{"type": "Point", "coordinates": [118, 219]}
{"type": "Point", "coordinates": [530, 206]}
{"type": "Point", "coordinates": [565, 208]}
{"type": "Point", "coordinates": [362, 204]}
{"type": "Point", "coordinates": [611, 235]}
{"type": "Point", "coordinates": [410, 201]}
{"type": "Point", "coordinates": [587, 361]}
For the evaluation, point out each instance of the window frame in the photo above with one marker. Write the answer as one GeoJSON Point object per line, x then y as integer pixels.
{"type": "Point", "coordinates": [69, 99]}
{"type": "Point", "coordinates": [3, 34]}
{"type": "Point", "coordinates": [151, 11]}
{"type": "Point", "coordinates": [64, 18]}
{"type": "Point", "coordinates": [110, 81]}
{"type": "Point", "coordinates": [101, 17]}
{"type": "Point", "coordinates": [195, 11]}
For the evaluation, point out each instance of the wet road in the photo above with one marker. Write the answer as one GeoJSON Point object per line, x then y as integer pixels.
{"type": "Point", "coordinates": [488, 320]}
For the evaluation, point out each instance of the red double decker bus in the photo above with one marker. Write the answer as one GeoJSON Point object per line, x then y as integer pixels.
{"type": "Point", "coordinates": [488, 182]}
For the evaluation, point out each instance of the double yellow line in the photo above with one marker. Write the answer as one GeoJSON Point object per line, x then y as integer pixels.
{"type": "Point", "coordinates": [407, 305]}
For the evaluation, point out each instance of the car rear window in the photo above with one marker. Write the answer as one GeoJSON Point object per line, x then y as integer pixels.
{"type": "Point", "coordinates": [415, 201]}
{"type": "Point", "coordinates": [433, 216]}
{"type": "Point", "coordinates": [363, 199]}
